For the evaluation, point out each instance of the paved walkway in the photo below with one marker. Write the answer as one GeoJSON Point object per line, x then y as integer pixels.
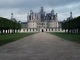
{"type": "Point", "coordinates": [40, 46]}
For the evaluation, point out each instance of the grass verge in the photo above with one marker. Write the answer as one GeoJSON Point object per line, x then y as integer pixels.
{"type": "Point", "coordinates": [68, 36]}
{"type": "Point", "coordinates": [7, 38]}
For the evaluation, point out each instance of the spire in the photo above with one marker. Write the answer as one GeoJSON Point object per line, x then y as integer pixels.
{"type": "Point", "coordinates": [42, 10]}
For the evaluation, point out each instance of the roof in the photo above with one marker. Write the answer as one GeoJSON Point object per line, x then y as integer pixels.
{"type": "Point", "coordinates": [23, 22]}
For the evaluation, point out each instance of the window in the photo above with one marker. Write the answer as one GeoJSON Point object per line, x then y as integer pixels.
{"type": "Point", "coordinates": [33, 29]}
{"type": "Point", "coordinates": [52, 29]}
{"type": "Point", "coordinates": [36, 29]}
{"type": "Point", "coordinates": [49, 29]}
{"type": "Point", "coordinates": [24, 30]}
{"type": "Point", "coordinates": [46, 29]}
{"type": "Point", "coordinates": [27, 29]}
{"type": "Point", "coordinates": [30, 29]}
{"type": "Point", "coordinates": [59, 29]}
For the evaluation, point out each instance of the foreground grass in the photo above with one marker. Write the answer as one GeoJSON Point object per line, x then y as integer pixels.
{"type": "Point", "coordinates": [4, 39]}
{"type": "Point", "coordinates": [72, 37]}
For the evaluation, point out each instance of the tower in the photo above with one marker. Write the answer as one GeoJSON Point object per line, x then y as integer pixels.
{"type": "Point", "coordinates": [42, 10]}
{"type": "Point", "coordinates": [56, 16]}
{"type": "Point", "coordinates": [52, 15]}
{"type": "Point", "coordinates": [11, 16]}
{"type": "Point", "coordinates": [31, 15]}
{"type": "Point", "coordinates": [42, 14]}
{"type": "Point", "coordinates": [28, 17]}
{"type": "Point", "coordinates": [70, 15]}
{"type": "Point", "coordinates": [52, 12]}
{"type": "Point", "coordinates": [31, 11]}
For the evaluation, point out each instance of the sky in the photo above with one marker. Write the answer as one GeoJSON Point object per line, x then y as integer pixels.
{"type": "Point", "coordinates": [20, 8]}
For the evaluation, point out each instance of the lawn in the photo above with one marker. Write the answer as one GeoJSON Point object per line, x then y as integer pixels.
{"type": "Point", "coordinates": [7, 38]}
{"type": "Point", "coordinates": [68, 36]}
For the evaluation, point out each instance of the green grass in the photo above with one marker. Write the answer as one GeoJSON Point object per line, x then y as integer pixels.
{"type": "Point", "coordinates": [7, 38]}
{"type": "Point", "coordinates": [71, 37]}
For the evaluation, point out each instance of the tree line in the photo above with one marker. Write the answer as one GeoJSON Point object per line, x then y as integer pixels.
{"type": "Point", "coordinates": [72, 25]}
{"type": "Point", "coordinates": [9, 26]}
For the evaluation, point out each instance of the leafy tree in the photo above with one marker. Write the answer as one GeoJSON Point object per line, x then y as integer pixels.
{"type": "Point", "coordinates": [72, 24]}
{"type": "Point", "coordinates": [6, 24]}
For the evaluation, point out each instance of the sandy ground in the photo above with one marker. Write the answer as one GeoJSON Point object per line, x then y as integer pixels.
{"type": "Point", "coordinates": [40, 46]}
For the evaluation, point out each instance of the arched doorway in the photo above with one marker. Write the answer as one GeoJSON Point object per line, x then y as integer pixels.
{"type": "Point", "coordinates": [42, 30]}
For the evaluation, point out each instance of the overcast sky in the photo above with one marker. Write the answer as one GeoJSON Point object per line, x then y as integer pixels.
{"type": "Point", "coordinates": [20, 8]}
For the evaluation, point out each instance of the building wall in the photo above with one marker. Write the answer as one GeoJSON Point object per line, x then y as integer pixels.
{"type": "Point", "coordinates": [53, 24]}
{"type": "Point", "coordinates": [44, 30]}
{"type": "Point", "coordinates": [32, 24]}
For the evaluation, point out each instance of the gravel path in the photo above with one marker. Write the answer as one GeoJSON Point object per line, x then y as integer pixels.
{"type": "Point", "coordinates": [40, 46]}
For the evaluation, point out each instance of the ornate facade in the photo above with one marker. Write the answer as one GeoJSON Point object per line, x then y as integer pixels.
{"type": "Point", "coordinates": [41, 22]}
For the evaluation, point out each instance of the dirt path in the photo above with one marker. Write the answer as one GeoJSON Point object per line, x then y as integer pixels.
{"type": "Point", "coordinates": [40, 46]}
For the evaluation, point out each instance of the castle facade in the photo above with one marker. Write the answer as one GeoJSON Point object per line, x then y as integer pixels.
{"type": "Point", "coordinates": [41, 22]}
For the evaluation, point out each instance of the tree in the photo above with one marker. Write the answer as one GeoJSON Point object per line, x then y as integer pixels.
{"type": "Point", "coordinates": [72, 24]}
{"type": "Point", "coordinates": [6, 24]}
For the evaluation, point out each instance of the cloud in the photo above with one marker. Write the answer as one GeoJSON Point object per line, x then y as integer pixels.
{"type": "Point", "coordinates": [34, 3]}
{"type": "Point", "coordinates": [20, 8]}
